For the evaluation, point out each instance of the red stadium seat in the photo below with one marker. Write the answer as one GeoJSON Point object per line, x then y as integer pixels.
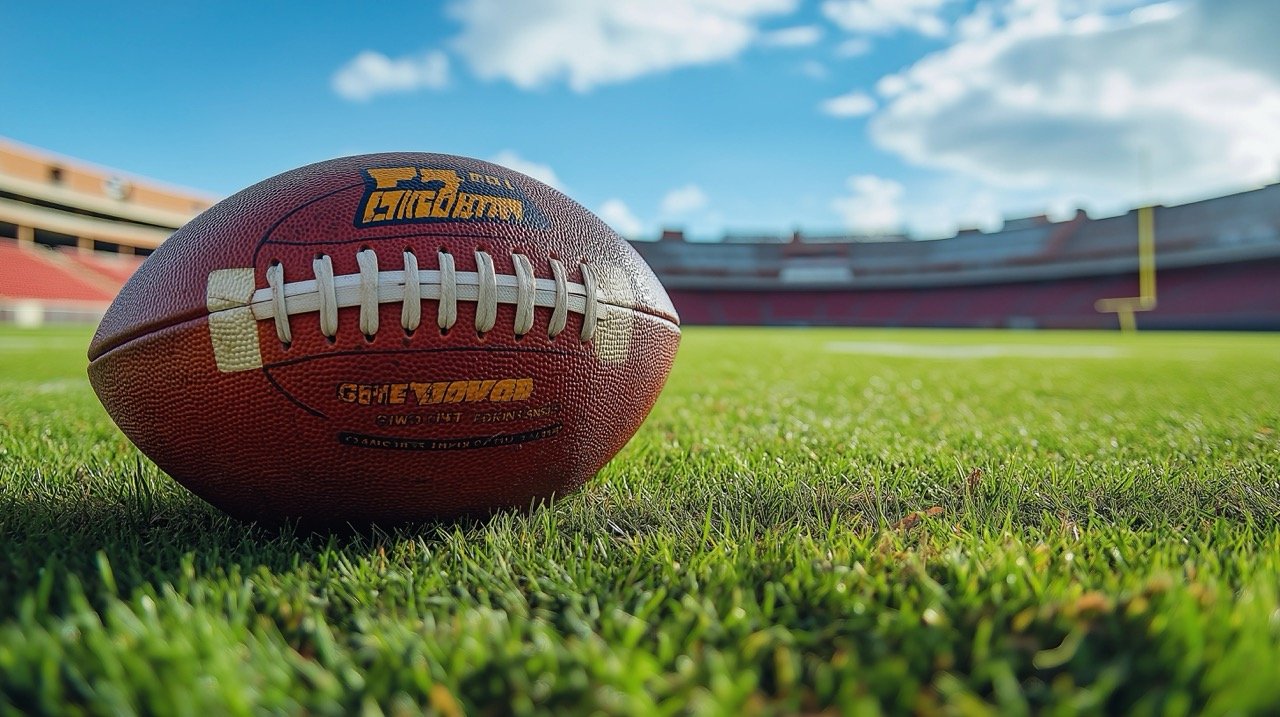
{"type": "Point", "coordinates": [40, 274]}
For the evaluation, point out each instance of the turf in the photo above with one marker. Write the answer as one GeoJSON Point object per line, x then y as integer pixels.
{"type": "Point", "coordinates": [845, 520]}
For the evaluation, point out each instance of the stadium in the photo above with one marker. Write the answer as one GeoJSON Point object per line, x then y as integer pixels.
{"type": "Point", "coordinates": [1216, 260]}
{"type": "Point", "coordinates": [422, 434]}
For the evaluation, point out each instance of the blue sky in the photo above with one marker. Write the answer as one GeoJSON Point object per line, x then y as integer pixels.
{"type": "Point", "coordinates": [712, 115]}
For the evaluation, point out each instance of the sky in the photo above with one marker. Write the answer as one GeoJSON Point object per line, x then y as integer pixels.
{"type": "Point", "coordinates": [714, 116]}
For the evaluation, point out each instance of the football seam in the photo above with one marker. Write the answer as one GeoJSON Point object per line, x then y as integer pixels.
{"type": "Point", "coordinates": [134, 338]}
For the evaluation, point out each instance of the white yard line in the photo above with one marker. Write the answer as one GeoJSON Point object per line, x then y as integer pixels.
{"type": "Point", "coordinates": [975, 351]}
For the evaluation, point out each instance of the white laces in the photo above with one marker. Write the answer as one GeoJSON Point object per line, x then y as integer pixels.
{"type": "Point", "coordinates": [487, 301]}
{"type": "Point", "coordinates": [524, 293]}
{"type": "Point", "coordinates": [368, 262]}
{"type": "Point", "coordinates": [327, 294]}
{"type": "Point", "coordinates": [448, 313]}
{"type": "Point", "coordinates": [589, 316]}
{"type": "Point", "coordinates": [279, 309]}
{"type": "Point", "coordinates": [559, 314]}
{"type": "Point", "coordinates": [369, 287]}
{"type": "Point", "coordinates": [411, 312]}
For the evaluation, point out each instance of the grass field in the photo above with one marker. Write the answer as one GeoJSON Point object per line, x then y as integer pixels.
{"type": "Point", "coordinates": [847, 520]}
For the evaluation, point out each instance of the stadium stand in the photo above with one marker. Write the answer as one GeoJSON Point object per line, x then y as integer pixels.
{"type": "Point", "coordinates": [1235, 296]}
{"type": "Point", "coordinates": [113, 266]}
{"type": "Point", "coordinates": [40, 274]}
{"type": "Point", "coordinates": [71, 234]}
{"type": "Point", "coordinates": [1103, 238]}
{"type": "Point", "coordinates": [991, 249]}
{"type": "Point", "coordinates": [890, 257]}
{"type": "Point", "coordinates": [1059, 236]}
{"type": "Point", "coordinates": [1217, 266]}
{"type": "Point", "coordinates": [1238, 219]}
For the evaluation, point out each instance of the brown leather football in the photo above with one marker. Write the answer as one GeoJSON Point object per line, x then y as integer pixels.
{"type": "Point", "coordinates": [388, 338]}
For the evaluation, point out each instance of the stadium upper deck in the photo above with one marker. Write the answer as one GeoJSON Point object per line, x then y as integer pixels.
{"type": "Point", "coordinates": [1236, 227]}
{"type": "Point", "coordinates": [71, 233]}
{"type": "Point", "coordinates": [56, 201]}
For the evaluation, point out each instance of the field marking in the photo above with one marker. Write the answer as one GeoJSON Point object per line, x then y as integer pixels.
{"type": "Point", "coordinates": [974, 351]}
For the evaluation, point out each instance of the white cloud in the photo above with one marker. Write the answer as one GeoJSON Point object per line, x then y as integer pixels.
{"type": "Point", "coordinates": [852, 104]}
{"type": "Point", "coordinates": [1074, 97]}
{"type": "Point", "coordinates": [540, 172]}
{"type": "Point", "coordinates": [882, 17]}
{"type": "Point", "coordinates": [618, 215]}
{"type": "Point", "coordinates": [854, 47]}
{"type": "Point", "coordinates": [370, 73]}
{"type": "Point", "coordinates": [798, 36]}
{"type": "Point", "coordinates": [814, 70]}
{"type": "Point", "coordinates": [873, 205]}
{"type": "Point", "coordinates": [588, 43]}
{"type": "Point", "coordinates": [1156, 13]}
{"type": "Point", "coordinates": [891, 85]}
{"type": "Point", "coordinates": [683, 200]}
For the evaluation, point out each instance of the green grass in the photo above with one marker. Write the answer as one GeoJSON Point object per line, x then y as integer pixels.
{"type": "Point", "coordinates": [914, 522]}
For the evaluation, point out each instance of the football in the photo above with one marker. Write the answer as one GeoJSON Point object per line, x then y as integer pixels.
{"type": "Point", "coordinates": [386, 338]}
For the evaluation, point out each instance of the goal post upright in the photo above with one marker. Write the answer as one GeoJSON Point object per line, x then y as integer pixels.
{"type": "Point", "coordinates": [1125, 307]}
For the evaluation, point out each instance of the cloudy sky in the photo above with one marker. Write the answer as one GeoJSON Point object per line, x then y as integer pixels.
{"type": "Point", "coordinates": [713, 115]}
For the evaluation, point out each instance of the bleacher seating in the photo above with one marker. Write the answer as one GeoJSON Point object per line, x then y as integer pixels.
{"type": "Point", "coordinates": [1101, 238]}
{"type": "Point", "coordinates": [1239, 218]}
{"type": "Point", "coordinates": [1228, 278]}
{"type": "Point", "coordinates": [986, 250]}
{"type": "Point", "coordinates": [890, 257]}
{"type": "Point", "coordinates": [115, 267]}
{"type": "Point", "coordinates": [671, 257]}
{"type": "Point", "coordinates": [1059, 235]}
{"type": "Point", "coordinates": [37, 273]}
{"type": "Point", "coordinates": [1240, 295]}
{"type": "Point", "coordinates": [1218, 265]}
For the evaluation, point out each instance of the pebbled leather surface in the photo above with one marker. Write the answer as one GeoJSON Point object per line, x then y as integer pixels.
{"type": "Point", "coordinates": [295, 439]}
